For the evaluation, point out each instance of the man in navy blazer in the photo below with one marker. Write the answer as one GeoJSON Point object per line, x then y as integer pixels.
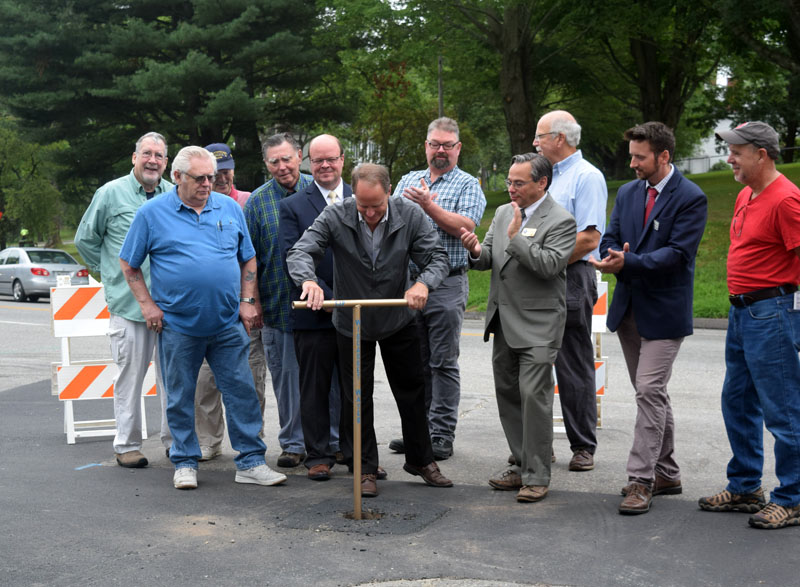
{"type": "Point", "coordinates": [314, 335]}
{"type": "Point", "coordinates": [650, 245]}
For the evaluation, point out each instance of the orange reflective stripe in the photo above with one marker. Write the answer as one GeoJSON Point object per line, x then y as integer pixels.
{"type": "Point", "coordinates": [75, 303]}
{"type": "Point", "coordinates": [81, 382]}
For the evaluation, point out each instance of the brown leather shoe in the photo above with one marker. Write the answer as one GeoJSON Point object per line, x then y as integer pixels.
{"type": "Point", "coordinates": [582, 460]}
{"type": "Point", "coordinates": [637, 501]}
{"type": "Point", "coordinates": [430, 473]}
{"type": "Point", "coordinates": [532, 493]}
{"type": "Point", "coordinates": [369, 485]}
{"type": "Point", "coordinates": [133, 459]}
{"type": "Point", "coordinates": [662, 486]}
{"type": "Point", "coordinates": [320, 472]}
{"type": "Point", "coordinates": [508, 481]}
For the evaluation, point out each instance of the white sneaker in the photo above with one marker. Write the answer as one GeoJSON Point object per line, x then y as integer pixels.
{"type": "Point", "coordinates": [209, 452]}
{"type": "Point", "coordinates": [185, 478]}
{"type": "Point", "coordinates": [261, 475]}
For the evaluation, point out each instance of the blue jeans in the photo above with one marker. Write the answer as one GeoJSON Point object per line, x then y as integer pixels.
{"type": "Point", "coordinates": [285, 374]}
{"type": "Point", "coordinates": [762, 387]}
{"type": "Point", "coordinates": [226, 353]}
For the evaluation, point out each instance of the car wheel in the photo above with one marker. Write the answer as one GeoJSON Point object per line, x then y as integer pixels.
{"type": "Point", "coordinates": [19, 292]}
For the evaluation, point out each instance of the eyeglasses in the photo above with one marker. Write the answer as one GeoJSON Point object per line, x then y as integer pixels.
{"type": "Point", "coordinates": [328, 160]}
{"type": "Point", "coordinates": [285, 159]}
{"type": "Point", "coordinates": [738, 220]}
{"type": "Point", "coordinates": [518, 185]}
{"type": "Point", "coordinates": [446, 146]}
{"type": "Point", "coordinates": [544, 134]}
{"type": "Point", "coordinates": [200, 178]}
{"type": "Point", "coordinates": [157, 156]}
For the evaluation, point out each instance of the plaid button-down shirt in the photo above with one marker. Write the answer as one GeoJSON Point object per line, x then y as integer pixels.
{"type": "Point", "coordinates": [261, 213]}
{"type": "Point", "coordinates": [458, 192]}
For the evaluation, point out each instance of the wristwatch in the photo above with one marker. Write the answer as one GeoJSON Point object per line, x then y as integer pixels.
{"type": "Point", "coordinates": [248, 300]}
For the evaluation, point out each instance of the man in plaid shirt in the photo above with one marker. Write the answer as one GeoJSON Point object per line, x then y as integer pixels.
{"type": "Point", "coordinates": [452, 199]}
{"type": "Point", "coordinates": [282, 156]}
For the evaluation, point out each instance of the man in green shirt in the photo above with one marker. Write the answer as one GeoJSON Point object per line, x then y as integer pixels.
{"type": "Point", "coordinates": [99, 239]}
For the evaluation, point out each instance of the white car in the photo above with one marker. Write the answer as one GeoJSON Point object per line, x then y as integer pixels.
{"type": "Point", "coordinates": [28, 273]}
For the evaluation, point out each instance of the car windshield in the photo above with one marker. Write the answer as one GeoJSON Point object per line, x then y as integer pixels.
{"type": "Point", "coordinates": [56, 257]}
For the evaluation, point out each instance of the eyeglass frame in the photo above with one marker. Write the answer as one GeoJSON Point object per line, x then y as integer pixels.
{"type": "Point", "coordinates": [444, 146]}
{"type": "Point", "coordinates": [148, 154]}
{"type": "Point", "coordinates": [544, 134]}
{"type": "Point", "coordinates": [518, 184]}
{"type": "Point", "coordinates": [198, 178]}
{"type": "Point", "coordinates": [329, 160]}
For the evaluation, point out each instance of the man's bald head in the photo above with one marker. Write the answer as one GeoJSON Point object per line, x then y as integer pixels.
{"type": "Point", "coordinates": [557, 135]}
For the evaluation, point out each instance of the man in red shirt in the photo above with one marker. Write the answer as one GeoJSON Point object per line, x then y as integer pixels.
{"type": "Point", "coordinates": [762, 379]}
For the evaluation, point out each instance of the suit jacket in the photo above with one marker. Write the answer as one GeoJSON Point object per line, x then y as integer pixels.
{"type": "Point", "coordinates": [657, 278]}
{"type": "Point", "coordinates": [529, 275]}
{"type": "Point", "coordinates": [297, 213]}
{"type": "Point", "coordinates": [408, 236]}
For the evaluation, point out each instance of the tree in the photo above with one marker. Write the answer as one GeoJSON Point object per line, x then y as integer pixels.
{"type": "Point", "coordinates": [28, 196]}
{"type": "Point", "coordinates": [201, 71]}
{"type": "Point", "coordinates": [764, 60]}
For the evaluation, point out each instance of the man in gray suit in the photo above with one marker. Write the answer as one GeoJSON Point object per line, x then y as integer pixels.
{"type": "Point", "coordinates": [527, 248]}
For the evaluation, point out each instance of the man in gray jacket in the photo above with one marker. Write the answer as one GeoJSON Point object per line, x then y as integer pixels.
{"type": "Point", "coordinates": [373, 238]}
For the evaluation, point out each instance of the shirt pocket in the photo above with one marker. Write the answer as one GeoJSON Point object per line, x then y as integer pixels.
{"type": "Point", "coordinates": [227, 236]}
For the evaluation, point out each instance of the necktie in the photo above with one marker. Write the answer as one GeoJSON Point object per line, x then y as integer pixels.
{"type": "Point", "coordinates": [332, 197]}
{"type": "Point", "coordinates": [522, 210]}
{"type": "Point", "coordinates": [651, 201]}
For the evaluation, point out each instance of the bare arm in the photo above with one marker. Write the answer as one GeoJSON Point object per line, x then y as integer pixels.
{"type": "Point", "coordinates": [586, 242]}
{"type": "Point", "coordinates": [249, 314]}
{"type": "Point", "coordinates": [152, 314]}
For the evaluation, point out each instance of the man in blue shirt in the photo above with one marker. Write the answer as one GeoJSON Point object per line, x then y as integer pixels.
{"type": "Point", "coordinates": [203, 270]}
{"type": "Point", "coordinates": [580, 188]}
{"type": "Point", "coordinates": [453, 200]}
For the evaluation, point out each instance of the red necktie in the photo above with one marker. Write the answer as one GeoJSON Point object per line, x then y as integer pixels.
{"type": "Point", "coordinates": [651, 201]}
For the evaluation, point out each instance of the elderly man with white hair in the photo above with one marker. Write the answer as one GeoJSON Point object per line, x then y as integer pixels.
{"type": "Point", "coordinates": [202, 305]}
{"type": "Point", "coordinates": [580, 188]}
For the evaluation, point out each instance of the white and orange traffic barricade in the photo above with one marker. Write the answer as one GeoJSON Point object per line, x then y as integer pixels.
{"type": "Point", "coordinates": [80, 311]}
{"type": "Point", "coordinates": [599, 315]}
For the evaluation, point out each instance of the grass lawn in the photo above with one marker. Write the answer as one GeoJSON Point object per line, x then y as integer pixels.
{"type": "Point", "coordinates": [710, 289]}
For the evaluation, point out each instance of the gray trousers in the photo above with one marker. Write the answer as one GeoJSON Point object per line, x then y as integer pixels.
{"type": "Point", "coordinates": [132, 345]}
{"type": "Point", "coordinates": [209, 420]}
{"type": "Point", "coordinates": [439, 326]}
{"type": "Point", "coordinates": [650, 367]}
{"type": "Point", "coordinates": [575, 360]}
{"type": "Point", "coordinates": [523, 382]}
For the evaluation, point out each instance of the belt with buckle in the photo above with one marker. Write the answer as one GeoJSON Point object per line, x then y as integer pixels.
{"type": "Point", "coordinates": [745, 299]}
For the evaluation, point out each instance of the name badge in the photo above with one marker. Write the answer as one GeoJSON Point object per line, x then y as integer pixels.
{"type": "Point", "coordinates": [655, 224]}
{"type": "Point", "coordinates": [528, 231]}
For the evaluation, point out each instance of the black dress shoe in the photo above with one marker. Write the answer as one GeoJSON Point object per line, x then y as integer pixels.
{"type": "Point", "coordinates": [397, 445]}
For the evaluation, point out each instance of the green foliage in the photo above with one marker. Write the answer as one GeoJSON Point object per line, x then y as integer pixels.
{"type": "Point", "coordinates": [201, 71]}
{"type": "Point", "coordinates": [28, 196]}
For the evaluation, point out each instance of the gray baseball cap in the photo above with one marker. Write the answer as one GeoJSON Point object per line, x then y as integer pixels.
{"type": "Point", "coordinates": [755, 133]}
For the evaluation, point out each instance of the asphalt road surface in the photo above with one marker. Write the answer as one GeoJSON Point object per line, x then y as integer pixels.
{"type": "Point", "coordinates": [70, 516]}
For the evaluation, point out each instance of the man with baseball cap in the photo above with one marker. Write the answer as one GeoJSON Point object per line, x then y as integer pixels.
{"type": "Point", "coordinates": [762, 379]}
{"type": "Point", "coordinates": [208, 414]}
{"type": "Point", "coordinates": [225, 171]}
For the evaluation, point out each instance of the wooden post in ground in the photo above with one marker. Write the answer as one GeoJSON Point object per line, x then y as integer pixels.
{"type": "Point", "coordinates": [356, 305]}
